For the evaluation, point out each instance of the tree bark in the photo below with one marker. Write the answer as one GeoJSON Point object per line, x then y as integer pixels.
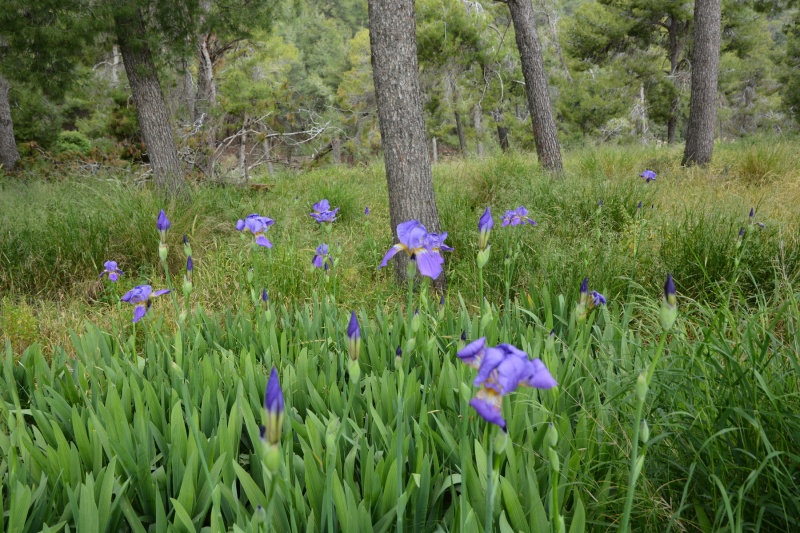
{"type": "Point", "coordinates": [477, 120]}
{"type": "Point", "coordinates": [9, 155]}
{"type": "Point", "coordinates": [675, 49]}
{"type": "Point", "coordinates": [149, 100]}
{"type": "Point", "coordinates": [393, 42]}
{"type": "Point", "coordinates": [502, 137]}
{"type": "Point", "coordinates": [530, 53]}
{"type": "Point", "coordinates": [705, 70]}
{"type": "Point", "coordinates": [462, 140]}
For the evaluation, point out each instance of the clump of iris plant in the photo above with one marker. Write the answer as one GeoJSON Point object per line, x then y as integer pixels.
{"type": "Point", "coordinates": [587, 301]}
{"type": "Point", "coordinates": [323, 212]}
{"type": "Point", "coordinates": [322, 259]}
{"type": "Point", "coordinates": [420, 246]}
{"type": "Point", "coordinates": [273, 427]}
{"type": "Point", "coordinates": [515, 217]}
{"type": "Point", "coordinates": [140, 296]}
{"type": "Point", "coordinates": [257, 225]}
{"type": "Point", "coordinates": [648, 176]}
{"type": "Point", "coordinates": [111, 269]}
{"type": "Point", "coordinates": [501, 369]}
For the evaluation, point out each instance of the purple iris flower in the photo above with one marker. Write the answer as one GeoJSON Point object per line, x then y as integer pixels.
{"type": "Point", "coordinates": [189, 264]}
{"type": "Point", "coordinates": [600, 204]}
{"type": "Point", "coordinates": [420, 246]}
{"type": "Point", "coordinates": [140, 297]}
{"type": "Point", "coordinates": [323, 213]}
{"type": "Point", "coordinates": [323, 258]}
{"type": "Point", "coordinates": [435, 241]}
{"type": "Point", "coordinates": [162, 223]}
{"type": "Point", "coordinates": [639, 205]}
{"type": "Point", "coordinates": [366, 210]}
{"type": "Point", "coordinates": [752, 214]}
{"type": "Point", "coordinates": [596, 299]}
{"type": "Point", "coordinates": [515, 217]}
{"type": "Point", "coordinates": [353, 337]}
{"type": "Point", "coordinates": [274, 405]}
{"type": "Point", "coordinates": [500, 371]}
{"type": "Point", "coordinates": [111, 269]}
{"type": "Point", "coordinates": [648, 176]}
{"type": "Point", "coordinates": [485, 225]}
{"type": "Point", "coordinates": [257, 225]}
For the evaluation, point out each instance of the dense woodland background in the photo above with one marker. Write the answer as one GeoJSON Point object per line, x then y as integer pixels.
{"type": "Point", "coordinates": [254, 87]}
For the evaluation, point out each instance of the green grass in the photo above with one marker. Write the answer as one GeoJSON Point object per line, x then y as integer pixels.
{"type": "Point", "coordinates": [104, 426]}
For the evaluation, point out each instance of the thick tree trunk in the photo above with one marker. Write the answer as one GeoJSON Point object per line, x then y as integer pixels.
{"type": "Point", "coordinates": [530, 53]}
{"type": "Point", "coordinates": [393, 42]}
{"type": "Point", "coordinates": [462, 140]}
{"type": "Point", "coordinates": [149, 100]}
{"type": "Point", "coordinates": [477, 121]}
{"type": "Point", "coordinates": [9, 155]}
{"type": "Point", "coordinates": [705, 69]}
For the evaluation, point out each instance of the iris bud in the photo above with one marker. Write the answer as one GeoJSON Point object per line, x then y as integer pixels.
{"type": "Point", "coordinates": [555, 463]}
{"type": "Point", "coordinates": [483, 256]}
{"type": "Point", "coordinates": [552, 436]}
{"type": "Point", "coordinates": [500, 441]}
{"type": "Point", "coordinates": [641, 387]}
{"type": "Point", "coordinates": [162, 251]}
{"type": "Point", "coordinates": [644, 434]}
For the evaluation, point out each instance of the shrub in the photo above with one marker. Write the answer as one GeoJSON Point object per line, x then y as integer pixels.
{"type": "Point", "coordinates": [72, 142]}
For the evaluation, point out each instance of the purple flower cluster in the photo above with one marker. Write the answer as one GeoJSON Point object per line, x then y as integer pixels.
{"type": "Point", "coordinates": [323, 213]}
{"type": "Point", "coordinates": [501, 369]}
{"type": "Point", "coordinates": [648, 176]}
{"type": "Point", "coordinates": [257, 225]}
{"type": "Point", "coordinates": [323, 259]}
{"type": "Point", "coordinates": [140, 297]}
{"type": "Point", "coordinates": [111, 269]}
{"type": "Point", "coordinates": [515, 217]}
{"type": "Point", "coordinates": [421, 246]}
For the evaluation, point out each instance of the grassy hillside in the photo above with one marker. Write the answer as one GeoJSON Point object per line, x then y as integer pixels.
{"type": "Point", "coordinates": [106, 425]}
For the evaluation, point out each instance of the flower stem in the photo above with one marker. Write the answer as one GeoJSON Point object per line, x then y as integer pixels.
{"type": "Point", "coordinates": [489, 519]}
{"type": "Point", "coordinates": [634, 471]}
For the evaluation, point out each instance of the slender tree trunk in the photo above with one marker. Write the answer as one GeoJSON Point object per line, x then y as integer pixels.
{"type": "Point", "coordinates": [675, 49]}
{"type": "Point", "coordinates": [705, 69]}
{"type": "Point", "coordinates": [530, 53]}
{"type": "Point", "coordinates": [477, 120]}
{"type": "Point", "coordinates": [267, 147]}
{"type": "Point", "coordinates": [9, 155]}
{"type": "Point", "coordinates": [336, 150]}
{"type": "Point", "coordinates": [393, 42]}
{"type": "Point", "coordinates": [462, 140]}
{"type": "Point", "coordinates": [206, 97]}
{"type": "Point", "coordinates": [502, 137]}
{"type": "Point", "coordinates": [243, 151]}
{"type": "Point", "coordinates": [116, 61]}
{"type": "Point", "coordinates": [435, 150]}
{"type": "Point", "coordinates": [149, 100]}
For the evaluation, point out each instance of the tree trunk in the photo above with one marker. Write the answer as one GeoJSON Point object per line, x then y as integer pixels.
{"type": "Point", "coordinates": [243, 152]}
{"type": "Point", "coordinates": [675, 49]}
{"type": "Point", "coordinates": [393, 42]}
{"type": "Point", "coordinates": [116, 61]}
{"type": "Point", "coordinates": [9, 155]}
{"type": "Point", "coordinates": [336, 150]}
{"type": "Point", "coordinates": [530, 53]}
{"type": "Point", "coordinates": [267, 147]}
{"type": "Point", "coordinates": [149, 100]}
{"type": "Point", "coordinates": [502, 136]}
{"type": "Point", "coordinates": [205, 98]}
{"type": "Point", "coordinates": [462, 140]}
{"type": "Point", "coordinates": [435, 151]}
{"type": "Point", "coordinates": [705, 69]}
{"type": "Point", "coordinates": [477, 121]}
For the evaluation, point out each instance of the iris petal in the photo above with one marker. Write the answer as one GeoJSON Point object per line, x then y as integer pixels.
{"type": "Point", "coordinates": [139, 312]}
{"type": "Point", "coordinates": [429, 263]}
{"type": "Point", "coordinates": [391, 253]}
{"type": "Point", "coordinates": [263, 241]}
